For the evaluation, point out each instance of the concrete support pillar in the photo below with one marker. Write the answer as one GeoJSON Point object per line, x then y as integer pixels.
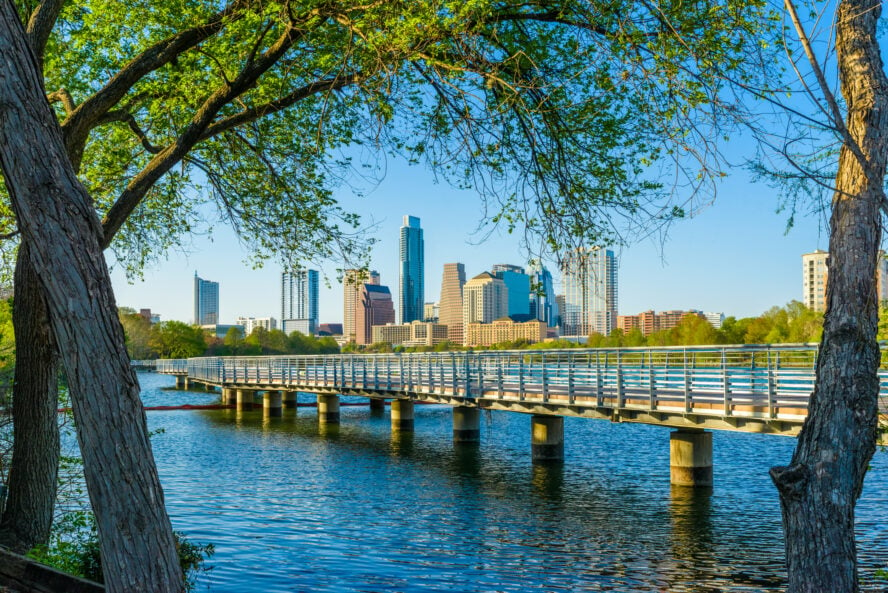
{"type": "Point", "coordinates": [244, 399]}
{"type": "Point", "coordinates": [271, 403]}
{"type": "Point", "coordinates": [181, 382]}
{"type": "Point", "coordinates": [466, 424]}
{"type": "Point", "coordinates": [289, 400]}
{"type": "Point", "coordinates": [690, 458]}
{"type": "Point", "coordinates": [402, 415]}
{"type": "Point", "coordinates": [328, 408]}
{"type": "Point", "coordinates": [229, 396]}
{"type": "Point", "coordinates": [547, 439]}
{"type": "Point", "coordinates": [377, 404]}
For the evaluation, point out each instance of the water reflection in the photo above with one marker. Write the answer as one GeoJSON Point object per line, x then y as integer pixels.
{"type": "Point", "coordinates": [402, 442]}
{"type": "Point", "coordinates": [547, 480]}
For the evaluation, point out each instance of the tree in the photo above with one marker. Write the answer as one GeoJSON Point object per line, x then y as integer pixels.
{"type": "Point", "coordinates": [60, 227]}
{"type": "Point", "coordinates": [174, 339]}
{"type": "Point", "coordinates": [137, 330]}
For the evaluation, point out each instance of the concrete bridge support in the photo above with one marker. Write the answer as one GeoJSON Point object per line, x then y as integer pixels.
{"type": "Point", "coordinates": [547, 439]}
{"type": "Point", "coordinates": [229, 396]}
{"type": "Point", "coordinates": [289, 399]}
{"type": "Point", "coordinates": [466, 424]}
{"type": "Point", "coordinates": [271, 404]}
{"type": "Point", "coordinates": [181, 381]}
{"type": "Point", "coordinates": [245, 399]}
{"type": "Point", "coordinates": [377, 404]}
{"type": "Point", "coordinates": [402, 415]}
{"type": "Point", "coordinates": [690, 458]}
{"type": "Point", "coordinates": [328, 408]}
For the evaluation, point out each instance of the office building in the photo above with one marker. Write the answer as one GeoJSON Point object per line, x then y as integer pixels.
{"type": "Point", "coordinates": [306, 327]}
{"type": "Point", "coordinates": [431, 312]}
{"type": "Point", "coordinates": [590, 292]}
{"type": "Point", "coordinates": [206, 301]}
{"type": "Point", "coordinates": [299, 295]}
{"type": "Point", "coordinates": [543, 305]}
{"type": "Point", "coordinates": [649, 322]}
{"type": "Point", "coordinates": [412, 276]}
{"type": "Point", "coordinates": [375, 307]}
{"type": "Point", "coordinates": [450, 308]}
{"type": "Point", "coordinates": [518, 285]}
{"type": "Point", "coordinates": [251, 323]}
{"type": "Point", "coordinates": [415, 333]}
{"type": "Point", "coordinates": [353, 282]}
{"type": "Point", "coordinates": [716, 319]}
{"type": "Point", "coordinates": [485, 299]}
{"type": "Point", "coordinates": [504, 330]}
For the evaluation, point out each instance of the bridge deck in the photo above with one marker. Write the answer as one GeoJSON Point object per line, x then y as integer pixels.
{"type": "Point", "coordinates": [747, 388]}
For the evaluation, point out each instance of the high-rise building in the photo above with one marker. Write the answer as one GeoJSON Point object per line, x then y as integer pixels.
{"type": "Point", "coordinates": [412, 283]}
{"type": "Point", "coordinates": [450, 309]}
{"type": "Point", "coordinates": [814, 274]}
{"type": "Point", "coordinates": [590, 292]}
{"type": "Point", "coordinates": [431, 311]}
{"type": "Point", "coordinates": [485, 299]}
{"type": "Point", "coordinates": [251, 323]}
{"type": "Point", "coordinates": [352, 285]}
{"type": "Point", "coordinates": [543, 305]}
{"type": "Point", "coordinates": [299, 296]}
{"type": "Point", "coordinates": [375, 307]}
{"type": "Point", "coordinates": [206, 301]}
{"type": "Point", "coordinates": [518, 284]}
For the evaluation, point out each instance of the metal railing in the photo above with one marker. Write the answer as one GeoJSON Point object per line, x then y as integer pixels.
{"type": "Point", "coordinates": [766, 382]}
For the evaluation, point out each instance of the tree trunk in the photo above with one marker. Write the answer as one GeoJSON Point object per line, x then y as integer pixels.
{"type": "Point", "coordinates": [33, 475]}
{"type": "Point", "coordinates": [57, 221]}
{"type": "Point", "coordinates": [819, 489]}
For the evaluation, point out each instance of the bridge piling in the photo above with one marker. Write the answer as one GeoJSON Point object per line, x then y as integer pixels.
{"type": "Point", "coordinates": [690, 458]}
{"type": "Point", "coordinates": [547, 439]}
{"type": "Point", "coordinates": [466, 424]}
{"type": "Point", "coordinates": [289, 399]}
{"type": "Point", "coordinates": [328, 408]}
{"type": "Point", "coordinates": [244, 400]}
{"type": "Point", "coordinates": [271, 404]}
{"type": "Point", "coordinates": [229, 396]}
{"type": "Point", "coordinates": [402, 415]}
{"type": "Point", "coordinates": [377, 404]}
{"type": "Point", "coordinates": [182, 382]}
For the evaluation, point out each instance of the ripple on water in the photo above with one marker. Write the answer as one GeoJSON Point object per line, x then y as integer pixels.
{"type": "Point", "coordinates": [358, 509]}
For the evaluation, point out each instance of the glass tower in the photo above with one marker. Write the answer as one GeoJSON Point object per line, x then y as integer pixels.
{"type": "Point", "coordinates": [590, 292]}
{"type": "Point", "coordinates": [206, 301]}
{"type": "Point", "coordinates": [299, 295]}
{"type": "Point", "coordinates": [412, 271]}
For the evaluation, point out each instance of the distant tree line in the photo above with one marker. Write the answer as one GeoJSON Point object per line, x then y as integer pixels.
{"type": "Point", "coordinates": [174, 339]}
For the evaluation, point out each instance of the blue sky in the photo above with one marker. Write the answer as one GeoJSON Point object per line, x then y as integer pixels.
{"type": "Point", "coordinates": [734, 257]}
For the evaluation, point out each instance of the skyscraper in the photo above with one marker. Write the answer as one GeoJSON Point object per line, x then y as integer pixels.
{"type": "Point", "coordinates": [543, 305]}
{"type": "Point", "coordinates": [518, 284]}
{"type": "Point", "coordinates": [375, 307]}
{"type": "Point", "coordinates": [450, 309]}
{"type": "Point", "coordinates": [412, 284]}
{"type": "Point", "coordinates": [206, 301]}
{"type": "Point", "coordinates": [352, 285]}
{"type": "Point", "coordinates": [590, 292]}
{"type": "Point", "coordinates": [299, 296]}
{"type": "Point", "coordinates": [485, 299]}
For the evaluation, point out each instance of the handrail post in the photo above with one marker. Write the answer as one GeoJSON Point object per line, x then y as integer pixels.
{"type": "Point", "coordinates": [599, 386]}
{"type": "Point", "coordinates": [772, 388]}
{"type": "Point", "coordinates": [726, 383]}
{"type": "Point", "coordinates": [621, 394]}
{"type": "Point", "coordinates": [544, 385]}
{"type": "Point", "coordinates": [521, 377]}
{"type": "Point", "coordinates": [499, 377]}
{"type": "Point", "coordinates": [468, 370]}
{"type": "Point", "coordinates": [687, 383]}
{"type": "Point", "coordinates": [652, 388]}
{"type": "Point", "coordinates": [571, 396]}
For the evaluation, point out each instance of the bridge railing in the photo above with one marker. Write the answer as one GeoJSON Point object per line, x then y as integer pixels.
{"type": "Point", "coordinates": [762, 381]}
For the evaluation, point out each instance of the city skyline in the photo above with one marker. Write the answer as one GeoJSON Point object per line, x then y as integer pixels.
{"type": "Point", "coordinates": [736, 256]}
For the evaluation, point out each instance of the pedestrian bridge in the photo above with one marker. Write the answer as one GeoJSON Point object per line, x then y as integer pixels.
{"type": "Point", "coordinates": [762, 389]}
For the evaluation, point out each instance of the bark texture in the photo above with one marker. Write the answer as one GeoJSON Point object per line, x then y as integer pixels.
{"type": "Point", "coordinates": [820, 487]}
{"type": "Point", "coordinates": [33, 476]}
{"type": "Point", "coordinates": [59, 224]}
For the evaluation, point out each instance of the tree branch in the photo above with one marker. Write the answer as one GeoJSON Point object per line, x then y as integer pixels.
{"type": "Point", "coordinates": [194, 132]}
{"type": "Point", "coordinates": [40, 26]}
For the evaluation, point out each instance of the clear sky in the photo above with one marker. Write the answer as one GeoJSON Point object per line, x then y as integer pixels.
{"type": "Point", "coordinates": [734, 257]}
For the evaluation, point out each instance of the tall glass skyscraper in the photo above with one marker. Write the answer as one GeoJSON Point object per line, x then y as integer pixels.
{"type": "Point", "coordinates": [412, 282]}
{"type": "Point", "coordinates": [590, 292]}
{"type": "Point", "coordinates": [299, 296]}
{"type": "Point", "coordinates": [206, 301]}
{"type": "Point", "coordinates": [543, 305]}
